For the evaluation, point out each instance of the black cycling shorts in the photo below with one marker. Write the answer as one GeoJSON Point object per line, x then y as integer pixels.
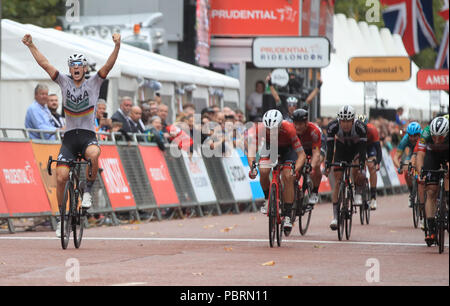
{"type": "Point", "coordinates": [345, 153]}
{"type": "Point", "coordinates": [433, 161]}
{"type": "Point", "coordinates": [75, 143]}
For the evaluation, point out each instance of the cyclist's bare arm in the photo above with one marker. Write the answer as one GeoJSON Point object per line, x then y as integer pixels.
{"type": "Point", "coordinates": [39, 57]}
{"type": "Point", "coordinates": [315, 159]}
{"type": "Point", "coordinates": [103, 72]}
{"type": "Point", "coordinates": [273, 91]}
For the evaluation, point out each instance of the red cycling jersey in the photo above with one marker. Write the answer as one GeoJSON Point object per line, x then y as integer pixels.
{"type": "Point", "coordinates": [311, 138]}
{"type": "Point", "coordinates": [372, 134]}
{"type": "Point", "coordinates": [287, 136]}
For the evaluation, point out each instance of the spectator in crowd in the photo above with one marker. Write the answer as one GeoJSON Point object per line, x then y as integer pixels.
{"type": "Point", "coordinates": [153, 109]}
{"type": "Point", "coordinates": [56, 119]}
{"type": "Point", "coordinates": [38, 115]}
{"type": "Point", "coordinates": [155, 133]}
{"type": "Point", "coordinates": [146, 113]}
{"type": "Point", "coordinates": [189, 109]}
{"type": "Point", "coordinates": [208, 112]}
{"type": "Point", "coordinates": [137, 126]}
{"type": "Point", "coordinates": [240, 116]}
{"type": "Point", "coordinates": [255, 101]}
{"type": "Point", "coordinates": [398, 116]}
{"type": "Point", "coordinates": [157, 98]}
{"type": "Point", "coordinates": [122, 114]}
{"type": "Point", "coordinates": [163, 113]}
{"type": "Point", "coordinates": [216, 108]}
{"type": "Point", "coordinates": [102, 123]}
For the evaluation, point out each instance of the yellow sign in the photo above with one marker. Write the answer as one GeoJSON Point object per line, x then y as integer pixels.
{"type": "Point", "coordinates": [379, 69]}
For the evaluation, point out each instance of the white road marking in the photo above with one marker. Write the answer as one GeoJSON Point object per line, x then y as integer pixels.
{"type": "Point", "coordinates": [128, 284]}
{"type": "Point", "coordinates": [224, 240]}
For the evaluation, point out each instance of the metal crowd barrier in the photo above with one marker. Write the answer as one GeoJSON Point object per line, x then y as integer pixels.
{"type": "Point", "coordinates": [135, 179]}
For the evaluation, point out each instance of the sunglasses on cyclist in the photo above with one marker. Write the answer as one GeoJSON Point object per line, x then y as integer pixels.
{"type": "Point", "coordinates": [76, 64]}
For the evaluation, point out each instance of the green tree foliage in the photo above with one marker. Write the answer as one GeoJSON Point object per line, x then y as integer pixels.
{"type": "Point", "coordinates": [42, 13]}
{"type": "Point", "coordinates": [357, 9]}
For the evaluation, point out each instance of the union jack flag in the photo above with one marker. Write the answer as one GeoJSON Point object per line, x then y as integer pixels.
{"type": "Point", "coordinates": [413, 21]}
{"type": "Point", "coordinates": [442, 58]}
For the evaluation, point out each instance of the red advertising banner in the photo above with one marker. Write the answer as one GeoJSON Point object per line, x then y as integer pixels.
{"type": "Point", "coordinates": [113, 175]}
{"type": "Point", "coordinates": [431, 79]}
{"type": "Point", "coordinates": [203, 33]}
{"type": "Point", "coordinates": [3, 207]}
{"type": "Point", "coordinates": [159, 176]}
{"type": "Point", "coordinates": [20, 181]}
{"type": "Point", "coordinates": [255, 18]}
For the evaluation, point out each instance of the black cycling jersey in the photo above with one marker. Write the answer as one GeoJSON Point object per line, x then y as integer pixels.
{"type": "Point", "coordinates": [351, 143]}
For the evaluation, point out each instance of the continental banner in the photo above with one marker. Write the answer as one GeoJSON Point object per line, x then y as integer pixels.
{"type": "Point", "coordinates": [115, 180]}
{"type": "Point", "coordinates": [237, 177]}
{"type": "Point", "coordinates": [41, 154]}
{"type": "Point", "coordinates": [20, 180]}
{"type": "Point", "coordinates": [159, 176]}
{"type": "Point", "coordinates": [199, 178]}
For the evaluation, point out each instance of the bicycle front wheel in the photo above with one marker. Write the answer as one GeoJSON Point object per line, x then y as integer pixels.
{"type": "Point", "coordinates": [441, 226]}
{"type": "Point", "coordinates": [272, 215]}
{"type": "Point", "coordinates": [348, 208]}
{"type": "Point", "coordinates": [306, 210]}
{"type": "Point", "coordinates": [65, 214]}
{"type": "Point", "coordinates": [77, 220]}
{"type": "Point", "coordinates": [341, 213]}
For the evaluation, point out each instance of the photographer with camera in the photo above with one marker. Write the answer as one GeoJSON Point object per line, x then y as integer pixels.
{"type": "Point", "coordinates": [102, 123]}
{"type": "Point", "coordinates": [295, 98]}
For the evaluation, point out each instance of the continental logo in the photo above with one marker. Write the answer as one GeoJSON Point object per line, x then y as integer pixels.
{"type": "Point", "coordinates": [379, 69]}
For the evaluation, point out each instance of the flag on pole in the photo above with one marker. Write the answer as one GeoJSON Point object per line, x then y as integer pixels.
{"type": "Point", "coordinates": [413, 21]}
{"type": "Point", "coordinates": [442, 58]}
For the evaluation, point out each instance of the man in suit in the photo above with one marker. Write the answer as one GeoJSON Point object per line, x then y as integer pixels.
{"type": "Point", "coordinates": [122, 114]}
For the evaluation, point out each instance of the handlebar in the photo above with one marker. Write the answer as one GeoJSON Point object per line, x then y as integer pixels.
{"type": "Point", "coordinates": [70, 163]}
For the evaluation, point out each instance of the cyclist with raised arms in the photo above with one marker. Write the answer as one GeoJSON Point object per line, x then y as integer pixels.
{"type": "Point", "coordinates": [433, 150]}
{"type": "Point", "coordinates": [408, 142]}
{"type": "Point", "coordinates": [276, 131]}
{"type": "Point", "coordinates": [80, 96]}
{"type": "Point", "coordinates": [374, 155]}
{"type": "Point", "coordinates": [315, 145]}
{"type": "Point", "coordinates": [350, 137]}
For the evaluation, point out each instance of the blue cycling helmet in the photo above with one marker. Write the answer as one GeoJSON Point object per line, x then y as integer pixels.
{"type": "Point", "coordinates": [414, 128]}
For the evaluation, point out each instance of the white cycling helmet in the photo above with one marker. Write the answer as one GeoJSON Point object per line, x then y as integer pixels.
{"type": "Point", "coordinates": [346, 113]}
{"type": "Point", "coordinates": [77, 57]}
{"type": "Point", "coordinates": [272, 119]}
{"type": "Point", "coordinates": [439, 127]}
{"type": "Point", "coordinates": [292, 100]}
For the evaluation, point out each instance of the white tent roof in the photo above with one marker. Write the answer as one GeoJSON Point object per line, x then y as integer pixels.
{"type": "Point", "coordinates": [353, 39]}
{"type": "Point", "coordinates": [18, 64]}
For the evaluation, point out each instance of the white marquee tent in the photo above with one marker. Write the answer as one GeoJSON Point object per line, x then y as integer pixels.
{"type": "Point", "coordinates": [20, 73]}
{"type": "Point", "coordinates": [352, 39]}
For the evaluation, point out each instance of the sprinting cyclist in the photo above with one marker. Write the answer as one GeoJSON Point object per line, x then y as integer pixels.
{"type": "Point", "coordinates": [315, 145]}
{"type": "Point", "coordinates": [350, 137]}
{"type": "Point", "coordinates": [409, 142]}
{"type": "Point", "coordinates": [374, 155]}
{"type": "Point", "coordinates": [276, 131]}
{"type": "Point", "coordinates": [433, 150]}
{"type": "Point", "coordinates": [80, 96]}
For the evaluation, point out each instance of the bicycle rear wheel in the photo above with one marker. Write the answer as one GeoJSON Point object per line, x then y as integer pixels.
{"type": "Point", "coordinates": [415, 205]}
{"type": "Point", "coordinates": [66, 216]}
{"type": "Point", "coordinates": [272, 215]}
{"type": "Point", "coordinates": [77, 220]}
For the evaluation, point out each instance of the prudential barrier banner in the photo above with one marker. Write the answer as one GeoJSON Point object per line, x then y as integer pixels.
{"type": "Point", "coordinates": [20, 181]}
{"type": "Point", "coordinates": [255, 185]}
{"type": "Point", "coordinates": [198, 175]}
{"type": "Point", "coordinates": [3, 207]}
{"type": "Point", "coordinates": [237, 177]}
